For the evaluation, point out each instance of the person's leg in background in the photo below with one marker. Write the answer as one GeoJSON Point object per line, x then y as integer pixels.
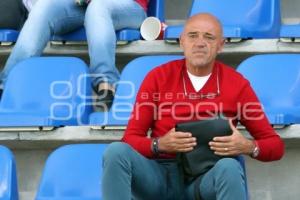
{"type": "Point", "coordinates": [102, 19]}
{"type": "Point", "coordinates": [47, 17]}
{"type": "Point", "coordinates": [225, 181]}
{"type": "Point", "coordinates": [128, 175]}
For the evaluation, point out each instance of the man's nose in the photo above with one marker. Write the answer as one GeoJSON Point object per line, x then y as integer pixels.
{"type": "Point", "coordinates": [200, 41]}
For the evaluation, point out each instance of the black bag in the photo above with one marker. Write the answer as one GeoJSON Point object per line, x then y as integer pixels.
{"type": "Point", "coordinates": [202, 158]}
{"type": "Point", "coordinates": [12, 14]}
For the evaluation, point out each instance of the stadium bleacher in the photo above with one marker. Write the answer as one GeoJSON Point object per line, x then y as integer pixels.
{"type": "Point", "coordinates": [266, 181]}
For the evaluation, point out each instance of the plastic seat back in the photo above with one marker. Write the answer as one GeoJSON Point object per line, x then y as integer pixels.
{"type": "Point", "coordinates": [46, 91]}
{"type": "Point", "coordinates": [276, 81]}
{"type": "Point", "coordinates": [8, 35]}
{"type": "Point", "coordinates": [290, 31]}
{"type": "Point", "coordinates": [73, 172]}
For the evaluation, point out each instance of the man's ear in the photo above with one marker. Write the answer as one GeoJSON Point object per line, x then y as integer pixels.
{"type": "Point", "coordinates": [221, 46]}
{"type": "Point", "coordinates": [180, 42]}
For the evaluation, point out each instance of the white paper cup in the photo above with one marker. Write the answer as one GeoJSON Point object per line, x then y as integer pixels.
{"type": "Point", "coordinates": [152, 28]}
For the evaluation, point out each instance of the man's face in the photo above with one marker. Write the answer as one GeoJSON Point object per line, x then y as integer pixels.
{"type": "Point", "coordinates": [201, 41]}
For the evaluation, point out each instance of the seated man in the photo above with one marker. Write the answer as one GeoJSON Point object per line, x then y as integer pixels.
{"type": "Point", "coordinates": [142, 167]}
{"type": "Point", "coordinates": [100, 18]}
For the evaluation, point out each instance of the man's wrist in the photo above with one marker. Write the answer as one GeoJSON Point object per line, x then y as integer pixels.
{"type": "Point", "coordinates": [255, 150]}
{"type": "Point", "coordinates": [154, 146]}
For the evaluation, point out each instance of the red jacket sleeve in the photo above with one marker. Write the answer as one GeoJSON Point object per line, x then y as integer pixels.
{"type": "Point", "coordinates": [142, 117]}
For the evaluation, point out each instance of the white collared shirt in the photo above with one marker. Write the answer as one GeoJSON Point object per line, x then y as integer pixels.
{"type": "Point", "coordinates": [198, 81]}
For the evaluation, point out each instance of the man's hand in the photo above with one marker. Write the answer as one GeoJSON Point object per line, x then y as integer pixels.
{"type": "Point", "coordinates": [232, 145]}
{"type": "Point", "coordinates": [173, 142]}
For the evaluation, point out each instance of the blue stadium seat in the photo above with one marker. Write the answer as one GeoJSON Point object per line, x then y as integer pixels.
{"type": "Point", "coordinates": [131, 78]}
{"type": "Point", "coordinates": [8, 35]}
{"type": "Point", "coordinates": [290, 31]}
{"type": "Point", "coordinates": [46, 91]}
{"type": "Point", "coordinates": [155, 8]}
{"type": "Point", "coordinates": [241, 19]}
{"type": "Point", "coordinates": [275, 79]}
{"type": "Point", "coordinates": [8, 175]}
{"type": "Point", "coordinates": [73, 172]}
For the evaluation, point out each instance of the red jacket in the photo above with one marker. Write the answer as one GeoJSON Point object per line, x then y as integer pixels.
{"type": "Point", "coordinates": [160, 104]}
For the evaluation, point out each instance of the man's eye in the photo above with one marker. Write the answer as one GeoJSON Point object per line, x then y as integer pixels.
{"type": "Point", "coordinates": [193, 35]}
{"type": "Point", "coordinates": [210, 37]}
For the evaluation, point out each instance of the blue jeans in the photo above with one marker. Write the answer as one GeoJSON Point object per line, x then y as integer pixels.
{"type": "Point", "coordinates": [129, 175]}
{"type": "Point", "coordinates": [101, 18]}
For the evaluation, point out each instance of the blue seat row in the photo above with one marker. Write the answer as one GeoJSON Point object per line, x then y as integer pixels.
{"type": "Point", "coordinates": [246, 19]}
{"type": "Point", "coordinates": [56, 91]}
{"type": "Point", "coordinates": [240, 19]}
{"type": "Point", "coordinates": [250, 19]}
{"type": "Point", "coordinates": [75, 171]}
{"type": "Point", "coordinates": [71, 172]}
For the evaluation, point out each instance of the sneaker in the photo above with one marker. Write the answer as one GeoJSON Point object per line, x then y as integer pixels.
{"type": "Point", "coordinates": [82, 2]}
{"type": "Point", "coordinates": [104, 99]}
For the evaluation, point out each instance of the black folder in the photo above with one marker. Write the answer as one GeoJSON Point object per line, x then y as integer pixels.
{"type": "Point", "coordinates": [202, 158]}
